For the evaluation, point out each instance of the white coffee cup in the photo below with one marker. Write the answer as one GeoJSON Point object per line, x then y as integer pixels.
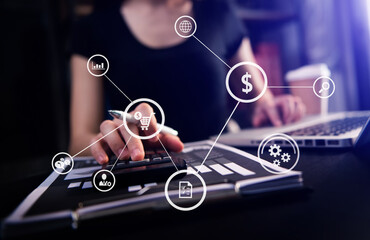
{"type": "Point", "coordinates": [301, 81]}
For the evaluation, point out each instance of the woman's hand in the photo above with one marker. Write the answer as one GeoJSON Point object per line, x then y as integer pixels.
{"type": "Point", "coordinates": [279, 110]}
{"type": "Point", "coordinates": [116, 140]}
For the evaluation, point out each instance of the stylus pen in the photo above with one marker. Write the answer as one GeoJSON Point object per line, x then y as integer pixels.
{"type": "Point", "coordinates": [119, 114]}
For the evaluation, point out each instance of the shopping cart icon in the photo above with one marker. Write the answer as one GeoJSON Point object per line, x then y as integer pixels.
{"type": "Point", "coordinates": [144, 121]}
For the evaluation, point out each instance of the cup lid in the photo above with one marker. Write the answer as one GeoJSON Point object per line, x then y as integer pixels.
{"type": "Point", "coordinates": [312, 71]}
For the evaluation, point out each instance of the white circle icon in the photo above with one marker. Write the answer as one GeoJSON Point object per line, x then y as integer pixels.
{"type": "Point", "coordinates": [62, 163]}
{"type": "Point", "coordinates": [138, 115]}
{"type": "Point", "coordinates": [104, 180]}
{"type": "Point", "coordinates": [185, 26]}
{"type": "Point", "coordinates": [278, 153]}
{"type": "Point", "coordinates": [187, 191]}
{"type": "Point", "coordinates": [98, 65]}
{"type": "Point", "coordinates": [242, 82]}
{"type": "Point", "coordinates": [144, 121]}
{"type": "Point", "coordinates": [323, 87]}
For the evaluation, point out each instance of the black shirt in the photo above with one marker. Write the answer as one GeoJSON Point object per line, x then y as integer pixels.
{"type": "Point", "coordinates": [187, 80]}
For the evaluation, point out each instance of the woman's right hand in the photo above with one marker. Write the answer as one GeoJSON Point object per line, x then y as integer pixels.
{"type": "Point", "coordinates": [116, 137]}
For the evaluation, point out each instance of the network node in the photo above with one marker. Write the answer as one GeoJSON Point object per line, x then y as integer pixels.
{"type": "Point", "coordinates": [185, 26]}
{"type": "Point", "coordinates": [194, 190]}
{"type": "Point", "coordinates": [278, 145]}
{"type": "Point", "coordinates": [104, 180]}
{"type": "Point", "coordinates": [323, 87]}
{"type": "Point", "coordinates": [240, 82]}
{"type": "Point", "coordinates": [98, 65]}
{"type": "Point", "coordinates": [144, 119]}
{"type": "Point", "coordinates": [62, 163]}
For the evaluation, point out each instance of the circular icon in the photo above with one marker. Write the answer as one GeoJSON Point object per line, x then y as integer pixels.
{"type": "Point", "coordinates": [278, 153]}
{"type": "Point", "coordinates": [242, 83]}
{"type": "Point", "coordinates": [62, 163]}
{"type": "Point", "coordinates": [144, 120]}
{"type": "Point", "coordinates": [104, 180]}
{"type": "Point", "coordinates": [185, 26]}
{"type": "Point", "coordinates": [138, 115]}
{"type": "Point", "coordinates": [184, 190]}
{"type": "Point", "coordinates": [98, 65]}
{"type": "Point", "coordinates": [323, 87]}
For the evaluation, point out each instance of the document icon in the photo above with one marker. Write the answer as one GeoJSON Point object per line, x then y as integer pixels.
{"type": "Point", "coordinates": [185, 189]}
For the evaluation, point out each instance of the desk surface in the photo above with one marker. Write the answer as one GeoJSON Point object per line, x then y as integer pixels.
{"type": "Point", "coordinates": [338, 207]}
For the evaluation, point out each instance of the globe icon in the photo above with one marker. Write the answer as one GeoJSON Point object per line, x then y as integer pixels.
{"type": "Point", "coordinates": [185, 26]}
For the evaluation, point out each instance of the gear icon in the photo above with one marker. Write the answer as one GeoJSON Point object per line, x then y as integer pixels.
{"type": "Point", "coordinates": [275, 150]}
{"type": "Point", "coordinates": [285, 157]}
{"type": "Point", "coordinates": [276, 162]}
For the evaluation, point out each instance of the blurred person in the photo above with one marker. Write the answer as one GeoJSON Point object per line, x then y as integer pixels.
{"type": "Point", "coordinates": [148, 59]}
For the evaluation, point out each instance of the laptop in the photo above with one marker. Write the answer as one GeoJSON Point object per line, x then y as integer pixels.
{"type": "Point", "coordinates": [335, 130]}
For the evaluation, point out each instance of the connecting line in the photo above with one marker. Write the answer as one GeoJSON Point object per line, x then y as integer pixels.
{"type": "Point", "coordinates": [167, 153]}
{"type": "Point", "coordinates": [227, 121]}
{"type": "Point", "coordinates": [117, 87]}
{"type": "Point", "coordinates": [211, 51]}
{"type": "Point", "coordinates": [115, 162]}
{"type": "Point", "coordinates": [110, 131]}
{"type": "Point", "coordinates": [97, 141]}
{"type": "Point", "coordinates": [289, 87]}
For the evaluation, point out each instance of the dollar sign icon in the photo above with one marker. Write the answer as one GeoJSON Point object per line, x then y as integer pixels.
{"type": "Point", "coordinates": [248, 85]}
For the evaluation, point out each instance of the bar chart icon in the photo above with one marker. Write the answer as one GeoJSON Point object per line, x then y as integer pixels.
{"type": "Point", "coordinates": [97, 66]}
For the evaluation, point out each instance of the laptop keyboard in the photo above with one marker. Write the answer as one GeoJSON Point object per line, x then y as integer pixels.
{"type": "Point", "coordinates": [217, 165]}
{"type": "Point", "coordinates": [332, 128]}
{"type": "Point", "coordinates": [151, 157]}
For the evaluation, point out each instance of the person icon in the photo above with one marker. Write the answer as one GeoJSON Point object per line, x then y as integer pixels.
{"type": "Point", "coordinates": [103, 182]}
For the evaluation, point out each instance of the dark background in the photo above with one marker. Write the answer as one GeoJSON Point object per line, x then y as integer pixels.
{"type": "Point", "coordinates": [35, 80]}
